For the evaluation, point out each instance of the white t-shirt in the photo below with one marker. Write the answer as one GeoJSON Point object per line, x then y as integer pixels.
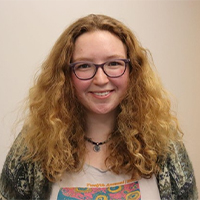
{"type": "Point", "coordinates": [92, 183]}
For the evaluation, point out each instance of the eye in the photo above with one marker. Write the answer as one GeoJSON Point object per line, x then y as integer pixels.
{"type": "Point", "coordinates": [83, 66]}
{"type": "Point", "coordinates": [115, 63]}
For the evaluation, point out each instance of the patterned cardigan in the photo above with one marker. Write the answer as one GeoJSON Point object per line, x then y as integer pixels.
{"type": "Point", "coordinates": [25, 180]}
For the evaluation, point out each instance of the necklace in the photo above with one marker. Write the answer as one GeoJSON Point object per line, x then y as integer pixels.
{"type": "Point", "coordinates": [96, 147]}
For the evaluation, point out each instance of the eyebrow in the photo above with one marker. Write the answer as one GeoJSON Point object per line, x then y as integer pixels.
{"type": "Point", "coordinates": [115, 56]}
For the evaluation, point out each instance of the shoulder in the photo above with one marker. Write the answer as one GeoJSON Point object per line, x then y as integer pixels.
{"type": "Point", "coordinates": [21, 179]}
{"type": "Point", "coordinates": [176, 178]}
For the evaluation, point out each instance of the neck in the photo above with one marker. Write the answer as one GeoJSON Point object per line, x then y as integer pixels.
{"type": "Point", "coordinates": [100, 126]}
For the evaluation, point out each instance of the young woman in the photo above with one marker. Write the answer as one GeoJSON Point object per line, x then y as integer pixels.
{"type": "Point", "coordinates": [99, 124]}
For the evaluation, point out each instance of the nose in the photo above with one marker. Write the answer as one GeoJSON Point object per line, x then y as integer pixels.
{"type": "Point", "coordinates": [100, 77]}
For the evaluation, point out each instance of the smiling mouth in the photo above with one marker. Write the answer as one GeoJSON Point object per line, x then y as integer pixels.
{"type": "Point", "coordinates": [101, 93]}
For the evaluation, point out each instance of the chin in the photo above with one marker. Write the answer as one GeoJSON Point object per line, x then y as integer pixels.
{"type": "Point", "coordinates": [104, 111]}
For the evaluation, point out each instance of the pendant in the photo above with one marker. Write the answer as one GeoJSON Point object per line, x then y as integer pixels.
{"type": "Point", "coordinates": [96, 148]}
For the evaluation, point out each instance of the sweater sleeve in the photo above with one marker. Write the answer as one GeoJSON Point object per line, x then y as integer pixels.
{"type": "Point", "coordinates": [20, 179]}
{"type": "Point", "coordinates": [14, 182]}
{"type": "Point", "coordinates": [182, 174]}
{"type": "Point", "coordinates": [176, 178]}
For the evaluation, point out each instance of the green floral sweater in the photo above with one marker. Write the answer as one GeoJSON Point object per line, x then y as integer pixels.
{"type": "Point", "coordinates": [25, 180]}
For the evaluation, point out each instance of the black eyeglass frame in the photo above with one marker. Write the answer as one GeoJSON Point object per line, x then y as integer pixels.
{"type": "Point", "coordinates": [126, 61]}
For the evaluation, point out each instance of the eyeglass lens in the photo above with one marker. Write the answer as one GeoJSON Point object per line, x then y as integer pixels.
{"type": "Point", "coordinates": [112, 68]}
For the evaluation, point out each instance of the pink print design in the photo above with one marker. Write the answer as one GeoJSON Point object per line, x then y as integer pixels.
{"type": "Point", "coordinates": [127, 191]}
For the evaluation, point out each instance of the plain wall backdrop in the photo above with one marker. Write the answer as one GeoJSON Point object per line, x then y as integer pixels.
{"type": "Point", "coordinates": [169, 29]}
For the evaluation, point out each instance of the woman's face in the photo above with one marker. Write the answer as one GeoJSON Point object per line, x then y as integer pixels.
{"type": "Point", "coordinates": [101, 94]}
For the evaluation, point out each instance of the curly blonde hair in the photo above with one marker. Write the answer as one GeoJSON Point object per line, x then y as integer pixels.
{"type": "Point", "coordinates": [54, 129]}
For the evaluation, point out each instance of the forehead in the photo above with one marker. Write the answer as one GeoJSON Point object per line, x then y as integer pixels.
{"type": "Point", "coordinates": [98, 45]}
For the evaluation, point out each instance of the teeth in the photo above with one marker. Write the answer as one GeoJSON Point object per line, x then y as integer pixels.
{"type": "Point", "coordinates": [101, 93]}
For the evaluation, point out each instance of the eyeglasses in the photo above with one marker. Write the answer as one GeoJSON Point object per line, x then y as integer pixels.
{"type": "Point", "coordinates": [87, 70]}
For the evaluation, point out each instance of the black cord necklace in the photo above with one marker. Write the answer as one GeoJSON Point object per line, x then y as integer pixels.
{"type": "Point", "coordinates": [96, 147]}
